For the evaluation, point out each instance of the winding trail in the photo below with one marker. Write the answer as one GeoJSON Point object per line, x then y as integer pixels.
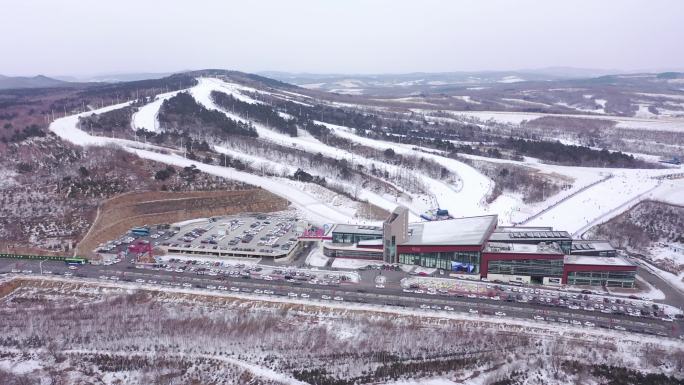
{"type": "Point", "coordinates": [315, 210]}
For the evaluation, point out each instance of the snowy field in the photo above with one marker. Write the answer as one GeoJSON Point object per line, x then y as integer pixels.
{"type": "Point", "coordinates": [671, 191]}
{"type": "Point", "coordinates": [606, 193]}
{"type": "Point", "coordinates": [660, 123]}
{"type": "Point", "coordinates": [599, 202]}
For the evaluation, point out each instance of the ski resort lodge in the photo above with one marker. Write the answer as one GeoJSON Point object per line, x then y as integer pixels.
{"type": "Point", "coordinates": [476, 248]}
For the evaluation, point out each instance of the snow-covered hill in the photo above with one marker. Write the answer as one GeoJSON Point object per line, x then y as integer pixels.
{"type": "Point", "coordinates": [596, 195]}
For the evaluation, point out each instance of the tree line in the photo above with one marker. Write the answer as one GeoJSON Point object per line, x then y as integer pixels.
{"type": "Point", "coordinates": [261, 113]}
{"type": "Point", "coordinates": [183, 112]}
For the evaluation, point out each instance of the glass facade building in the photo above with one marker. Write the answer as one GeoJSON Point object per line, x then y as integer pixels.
{"type": "Point", "coordinates": [353, 238]}
{"type": "Point", "coordinates": [464, 261]}
{"type": "Point", "coordinates": [565, 245]}
{"type": "Point", "coordinates": [602, 278]}
{"type": "Point", "coordinates": [531, 267]}
{"type": "Point", "coordinates": [352, 253]}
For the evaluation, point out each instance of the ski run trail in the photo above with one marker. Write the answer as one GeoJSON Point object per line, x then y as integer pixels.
{"type": "Point", "coordinates": [597, 194]}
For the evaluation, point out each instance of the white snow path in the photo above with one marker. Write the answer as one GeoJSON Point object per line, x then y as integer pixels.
{"type": "Point", "coordinates": [257, 162]}
{"type": "Point", "coordinates": [316, 210]}
{"type": "Point", "coordinates": [306, 142]}
{"type": "Point", "coordinates": [146, 116]}
{"type": "Point", "coordinates": [464, 200]}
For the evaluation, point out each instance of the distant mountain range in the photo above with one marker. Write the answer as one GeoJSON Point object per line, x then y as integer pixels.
{"type": "Point", "coordinates": [116, 77]}
{"type": "Point", "coordinates": [422, 82]}
{"type": "Point", "coordinates": [432, 83]}
{"type": "Point", "coordinates": [40, 81]}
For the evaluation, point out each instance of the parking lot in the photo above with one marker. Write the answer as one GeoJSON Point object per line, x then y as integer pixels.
{"type": "Point", "coordinates": [587, 301]}
{"type": "Point", "coordinates": [248, 270]}
{"type": "Point", "coordinates": [258, 235]}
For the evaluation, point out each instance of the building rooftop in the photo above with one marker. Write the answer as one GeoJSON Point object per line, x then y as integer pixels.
{"type": "Point", "coordinates": [518, 248]}
{"type": "Point", "coordinates": [357, 229]}
{"type": "Point", "coordinates": [460, 231]}
{"type": "Point", "coordinates": [580, 246]}
{"type": "Point", "coordinates": [370, 242]}
{"type": "Point", "coordinates": [508, 234]}
{"type": "Point", "coordinates": [523, 228]}
{"type": "Point", "coordinates": [597, 261]}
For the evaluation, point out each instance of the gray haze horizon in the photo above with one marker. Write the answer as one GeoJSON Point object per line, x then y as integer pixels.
{"type": "Point", "coordinates": [80, 38]}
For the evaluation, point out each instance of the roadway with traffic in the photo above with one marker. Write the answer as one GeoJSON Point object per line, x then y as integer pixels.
{"type": "Point", "coordinates": [346, 291]}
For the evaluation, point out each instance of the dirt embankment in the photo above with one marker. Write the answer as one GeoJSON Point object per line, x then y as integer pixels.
{"type": "Point", "coordinates": [117, 215]}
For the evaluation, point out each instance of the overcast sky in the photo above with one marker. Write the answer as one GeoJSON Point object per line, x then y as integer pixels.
{"type": "Point", "coordinates": [72, 37]}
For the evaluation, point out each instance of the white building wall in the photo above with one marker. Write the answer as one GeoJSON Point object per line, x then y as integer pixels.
{"type": "Point", "coordinates": [509, 278]}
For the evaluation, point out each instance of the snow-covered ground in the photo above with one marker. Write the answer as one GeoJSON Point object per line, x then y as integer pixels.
{"type": "Point", "coordinates": [671, 191]}
{"type": "Point", "coordinates": [599, 202]}
{"type": "Point", "coordinates": [597, 194]}
{"type": "Point", "coordinates": [675, 280]}
{"type": "Point", "coordinates": [354, 264]}
{"type": "Point", "coordinates": [504, 322]}
{"type": "Point", "coordinates": [147, 116]}
{"type": "Point", "coordinates": [347, 327]}
{"type": "Point", "coordinates": [668, 253]}
{"type": "Point", "coordinates": [315, 210]}
{"type": "Point", "coordinates": [648, 291]}
{"type": "Point", "coordinates": [463, 199]}
{"type": "Point", "coordinates": [606, 198]}
{"type": "Point", "coordinates": [511, 79]}
{"type": "Point", "coordinates": [310, 144]}
{"type": "Point", "coordinates": [656, 123]}
{"type": "Point", "coordinates": [316, 257]}
{"type": "Point", "coordinates": [574, 210]}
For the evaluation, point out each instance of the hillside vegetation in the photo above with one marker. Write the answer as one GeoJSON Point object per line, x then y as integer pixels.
{"type": "Point", "coordinates": [182, 112]}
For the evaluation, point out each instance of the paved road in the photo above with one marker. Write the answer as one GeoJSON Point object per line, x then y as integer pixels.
{"type": "Point", "coordinates": [392, 296]}
{"type": "Point", "coordinates": [673, 296]}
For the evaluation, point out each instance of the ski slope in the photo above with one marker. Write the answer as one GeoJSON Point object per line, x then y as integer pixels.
{"type": "Point", "coordinates": [571, 210]}
{"type": "Point", "coordinates": [464, 199]}
{"type": "Point", "coordinates": [146, 116]}
{"type": "Point", "coordinates": [315, 210]}
{"type": "Point", "coordinates": [306, 142]}
{"type": "Point", "coordinates": [599, 202]}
